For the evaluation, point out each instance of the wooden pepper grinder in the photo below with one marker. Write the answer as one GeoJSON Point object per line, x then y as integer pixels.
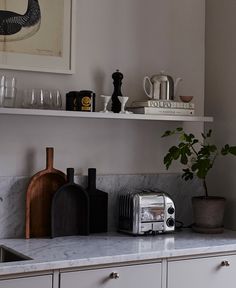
{"type": "Point", "coordinates": [116, 105]}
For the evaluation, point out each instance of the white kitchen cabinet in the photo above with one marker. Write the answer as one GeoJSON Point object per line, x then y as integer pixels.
{"type": "Point", "coordinates": [209, 272]}
{"type": "Point", "coordinates": [138, 276]}
{"type": "Point", "coordinates": [44, 281]}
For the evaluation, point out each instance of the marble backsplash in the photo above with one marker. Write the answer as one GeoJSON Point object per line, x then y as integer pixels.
{"type": "Point", "coordinates": [13, 192]}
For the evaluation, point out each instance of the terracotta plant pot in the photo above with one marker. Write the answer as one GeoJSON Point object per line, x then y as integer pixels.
{"type": "Point", "coordinates": [208, 214]}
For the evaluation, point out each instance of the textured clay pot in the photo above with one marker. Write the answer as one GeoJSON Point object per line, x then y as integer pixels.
{"type": "Point", "coordinates": [208, 214]}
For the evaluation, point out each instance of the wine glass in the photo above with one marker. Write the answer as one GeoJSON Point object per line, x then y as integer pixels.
{"type": "Point", "coordinates": [106, 100]}
{"type": "Point", "coordinates": [123, 100]}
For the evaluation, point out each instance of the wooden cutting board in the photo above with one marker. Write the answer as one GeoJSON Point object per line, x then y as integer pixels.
{"type": "Point", "coordinates": [39, 195]}
{"type": "Point", "coordinates": [70, 209]}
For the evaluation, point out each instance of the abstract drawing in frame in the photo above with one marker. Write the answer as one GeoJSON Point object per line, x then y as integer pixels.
{"type": "Point", "coordinates": [36, 35]}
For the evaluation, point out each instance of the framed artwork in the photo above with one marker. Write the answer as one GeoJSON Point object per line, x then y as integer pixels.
{"type": "Point", "coordinates": [37, 35]}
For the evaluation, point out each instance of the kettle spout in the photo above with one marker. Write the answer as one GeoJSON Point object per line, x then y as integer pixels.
{"type": "Point", "coordinates": [177, 80]}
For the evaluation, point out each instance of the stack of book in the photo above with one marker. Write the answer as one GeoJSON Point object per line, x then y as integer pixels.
{"type": "Point", "coordinates": [163, 107]}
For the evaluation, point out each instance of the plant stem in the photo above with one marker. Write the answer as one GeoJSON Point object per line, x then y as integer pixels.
{"type": "Point", "coordinates": [191, 145]}
{"type": "Point", "coordinates": [205, 187]}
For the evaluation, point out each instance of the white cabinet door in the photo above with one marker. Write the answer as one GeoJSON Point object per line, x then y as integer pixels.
{"type": "Point", "coordinates": [212, 272]}
{"type": "Point", "coordinates": [44, 281]}
{"type": "Point", "coordinates": [136, 276]}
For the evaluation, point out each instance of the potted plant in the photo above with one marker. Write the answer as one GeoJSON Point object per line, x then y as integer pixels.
{"type": "Point", "coordinates": [198, 157]}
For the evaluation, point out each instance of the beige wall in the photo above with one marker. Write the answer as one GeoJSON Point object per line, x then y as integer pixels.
{"type": "Point", "coordinates": [221, 95]}
{"type": "Point", "coordinates": [139, 38]}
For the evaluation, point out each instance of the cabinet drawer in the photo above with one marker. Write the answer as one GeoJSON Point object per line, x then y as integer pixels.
{"type": "Point", "coordinates": [138, 276]}
{"type": "Point", "coordinates": [44, 281]}
{"type": "Point", "coordinates": [208, 272]}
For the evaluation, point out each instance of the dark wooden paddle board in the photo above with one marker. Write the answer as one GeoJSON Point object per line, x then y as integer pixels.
{"type": "Point", "coordinates": [70, 209]}
{"type": "Point", "coordinates": [98, 201]}
{"type": "Point", "coordinates": [39, 195]}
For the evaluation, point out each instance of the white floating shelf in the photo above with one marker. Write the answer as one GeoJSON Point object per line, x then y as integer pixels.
{"type": "Point", "coordinates": [98, 115]}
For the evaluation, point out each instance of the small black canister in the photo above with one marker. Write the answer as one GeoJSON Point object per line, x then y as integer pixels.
{"type": "Point", "coordinates": [80, 101]}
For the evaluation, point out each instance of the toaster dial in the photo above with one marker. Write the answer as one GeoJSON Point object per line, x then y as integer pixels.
{"type": "Point", "coordinates": [170, 222]}
{"type": "Point", "coordinates": [171, 210]}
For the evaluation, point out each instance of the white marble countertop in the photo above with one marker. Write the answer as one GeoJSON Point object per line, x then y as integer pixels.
{"type": "Point", "coordinates": [71, 252]}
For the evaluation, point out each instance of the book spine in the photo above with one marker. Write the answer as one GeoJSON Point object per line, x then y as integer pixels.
{"type": "Point", "coordinates": [164, 104]}
{"type": "Point", "coordinates": [162, 111]}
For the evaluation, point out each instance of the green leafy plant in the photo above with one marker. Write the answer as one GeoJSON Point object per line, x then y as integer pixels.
{"type": "Point", "coordinates": [198, 156]}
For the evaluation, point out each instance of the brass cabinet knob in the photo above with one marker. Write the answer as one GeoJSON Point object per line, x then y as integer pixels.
{"type": "Point", "coordinates": [114, 275]}
{"type": "Point", "coordinates": [225, 263]}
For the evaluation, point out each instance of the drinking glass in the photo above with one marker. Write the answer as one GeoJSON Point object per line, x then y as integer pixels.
{"type": "Point", "coordinates": [28, 99]}
{"type": "Point", "coordinates": [46, 99]}
{"type": "Point", "coordinates": [7, 91]}
{"type": "Point", "coordinates": [9, 97]}
{"type": "Point", "coordinates": [2, 89]}
{"type": "Point", "coordinates": [123, 100]}
{"type": "Point", "coordinates": [38, 98]}
{"type": "Point", "coordinates": [106, 99]}
{"type": "Point", "coordinates": [57, 99]}
{"type": "Point", "coordinates": [34, 98]}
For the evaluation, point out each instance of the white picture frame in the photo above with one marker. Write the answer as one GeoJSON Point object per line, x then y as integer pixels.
{"type": "Point", "coordinates": [63, 64]}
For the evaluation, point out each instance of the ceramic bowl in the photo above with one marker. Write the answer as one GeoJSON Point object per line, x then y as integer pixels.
{"type": "Point", "coordinates": [186, 99]}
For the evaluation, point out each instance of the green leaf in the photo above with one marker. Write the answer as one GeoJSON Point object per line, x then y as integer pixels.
{"type": "Point", "coordinates": [168, 160]}
{"type": "Point", "coordinates": [174, 152]}
{"type": "Point", "coordinates": [181, 145]}
{"type": "Point", "coordinates": [225, 150]}
{"type": "Point", "coordinates": [182, 137]}
{"type": "Point", "coordinates": [184, 159]}
{"type": "Point", "coordinates": [167, 133]}
{"type": "Point", "coordinates": [179, 129]}
{"type": "Point", "coordinates": [185, 149]}
{"type": "Point", "coordinates": [232, 150]}
{"type": "Point", "coordinates": [204, 165]}
{"type": "Point", "coordinates": [188, 151]}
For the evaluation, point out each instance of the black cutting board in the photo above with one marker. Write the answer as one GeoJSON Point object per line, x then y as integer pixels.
{"type": "Point", "coordinates": [70, 209]}
{"type": "Point", "coordinates": [98, 201]}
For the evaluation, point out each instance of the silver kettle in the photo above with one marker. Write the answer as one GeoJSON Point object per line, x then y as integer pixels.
{"type": "Point", "coordinates": [161, 86]}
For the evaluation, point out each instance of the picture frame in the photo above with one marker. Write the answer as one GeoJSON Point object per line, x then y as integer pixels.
{"type": "Point", "coordinates": [48, 49]}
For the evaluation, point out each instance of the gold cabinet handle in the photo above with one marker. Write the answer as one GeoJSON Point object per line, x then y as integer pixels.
{"type": "Point", "coordinates": [225, 263]}
{"type": "Point", "coordinates": [114, 275]}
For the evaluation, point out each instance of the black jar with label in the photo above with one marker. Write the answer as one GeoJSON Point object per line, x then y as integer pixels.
{"type": "Point", "coordinates": [80, 101]}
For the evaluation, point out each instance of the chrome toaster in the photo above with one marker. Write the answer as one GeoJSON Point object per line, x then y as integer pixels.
{"type": "Point", "coordinates": [146, 212]}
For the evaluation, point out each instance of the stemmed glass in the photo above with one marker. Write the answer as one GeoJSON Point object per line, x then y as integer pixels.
{"type": "Point", "coordinates": [106, 100]}
{"type": "Point", "coordinates": [123, 100]}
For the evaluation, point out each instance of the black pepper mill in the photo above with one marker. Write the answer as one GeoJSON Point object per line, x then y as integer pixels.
{"type": "Point", "coordinates": [116, 105]}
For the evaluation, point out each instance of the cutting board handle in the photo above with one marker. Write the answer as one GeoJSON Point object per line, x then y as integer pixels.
{"type": "Point", "coordinates": [91, 179]}
{"type": "Point", "coordinates": [70, 175]}
{"type": "Point", "coordinates": [49, 159]}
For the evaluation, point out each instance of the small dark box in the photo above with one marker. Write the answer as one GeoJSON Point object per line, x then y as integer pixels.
{"type": "Point", "coordinates": [80, 101]}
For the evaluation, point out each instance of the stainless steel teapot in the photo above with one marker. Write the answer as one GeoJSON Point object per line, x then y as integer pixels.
{"type": "Point", "coordinates": [161, 86]}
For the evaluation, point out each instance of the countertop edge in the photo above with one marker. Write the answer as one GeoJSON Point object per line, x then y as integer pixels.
{"type": "Point", "coordinates": [33, 266]}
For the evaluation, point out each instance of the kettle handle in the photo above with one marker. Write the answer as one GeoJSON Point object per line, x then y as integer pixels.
{"type": "Point", "coordinates": [145, 80]}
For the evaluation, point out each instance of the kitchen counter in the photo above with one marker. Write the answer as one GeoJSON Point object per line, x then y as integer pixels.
{"type": "Point", "coordinates": [81, 251]}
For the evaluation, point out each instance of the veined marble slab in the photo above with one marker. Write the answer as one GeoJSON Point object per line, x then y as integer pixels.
{"type": "Point", "coordinates": [84, 251]}
{"type": "Point", "coordinates": [13, 193]}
